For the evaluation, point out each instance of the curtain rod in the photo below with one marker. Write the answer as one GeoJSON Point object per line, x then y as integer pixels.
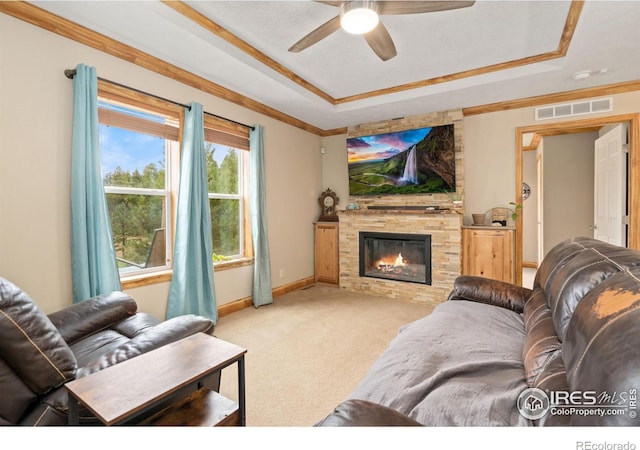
{"type": "Point", "coordinates": [70, 73]}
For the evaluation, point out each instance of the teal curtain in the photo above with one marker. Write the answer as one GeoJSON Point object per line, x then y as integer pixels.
{"type": "Point", "coordinates": [192, 288]}
{"type": "Point", "coordinates": [94, 268]}
{"type": "Point", "coordinates": [262, 293]}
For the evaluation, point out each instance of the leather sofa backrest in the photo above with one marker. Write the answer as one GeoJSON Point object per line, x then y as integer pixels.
{"type": "Point", "coordinates": [601, 351]}
{"type": "Point", "coordinates": [573, 268]}
{"type": "Point", "coordinates": [554, 259]}
{"type": "Point", "coordinates": [582, 272]}
{"type": "Point", "coordinates": [35, 359]}
{"type": "Point", "coordinates": [586, 294]}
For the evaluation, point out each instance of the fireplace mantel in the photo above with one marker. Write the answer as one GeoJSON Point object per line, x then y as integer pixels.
{"type": "Point", "coordinates": [445, 228]}
{"type": "Point", "coordinates": [419, 212]}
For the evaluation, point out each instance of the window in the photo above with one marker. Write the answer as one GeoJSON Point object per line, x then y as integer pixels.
{"type": "Point", "coordinates": [137, 148]}
{"type": "Point", "coordinates": [224, 176]}
{"type": "Point", "coordinates": [227, 154]}
{"type": "Point", "coordinates": [140, 151]}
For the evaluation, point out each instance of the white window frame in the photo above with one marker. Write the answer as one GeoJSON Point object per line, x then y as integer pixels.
{"type": "Point", "coordinates": [172, 154]}
{"type": "Point", "coordinates": [166, 193]}
{"type": "Point", "coordinates": [240, 196]}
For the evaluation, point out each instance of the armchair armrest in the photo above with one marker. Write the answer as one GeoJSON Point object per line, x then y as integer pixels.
{"type": "Point", "coordinates": [154, 337]}
{"type": "Point", "coordinates": [362, 413]}
{"type": "Point", "coordinates": [87, 317]}
{"type": "Point", "coordinates": [491, 292]}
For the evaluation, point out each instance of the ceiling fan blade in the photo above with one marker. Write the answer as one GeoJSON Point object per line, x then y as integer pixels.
{"type": "Point", "coordinates": [402, 7]}
{"type": "Point", "coordinates": [317, 35]}
{"type": "Point", "coordinates": [381, 43]}
{"type": "Point", "coordinates": [334, 3]}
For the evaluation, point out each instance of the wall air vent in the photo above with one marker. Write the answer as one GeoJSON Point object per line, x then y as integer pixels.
{"type": "Point", "coordinates": [575, 108]}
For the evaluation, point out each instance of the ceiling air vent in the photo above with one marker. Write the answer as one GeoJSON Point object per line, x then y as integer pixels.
{"type": "Point", "coordinates": [575, 109]}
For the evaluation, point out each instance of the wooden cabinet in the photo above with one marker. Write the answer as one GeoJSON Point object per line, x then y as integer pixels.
{"type": "Point", "coordinates": [327, 265]}
{"type": "Point", "coordinates": [488, 252]}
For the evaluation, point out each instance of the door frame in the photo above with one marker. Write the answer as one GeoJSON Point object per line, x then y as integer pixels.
{"type": "Point", "coordinates": [582, 126]}
{"type": "Point", "coordinates": [539, 208]}
{"type": "Point", "coordinates": [615, 231]}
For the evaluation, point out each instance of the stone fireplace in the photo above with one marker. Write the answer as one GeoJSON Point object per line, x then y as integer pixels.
{"type": "Point", "coordinates": [420, 214]}
{"type": "Point", "coordinates": [444, 229]}
{"type": "Point", "coordinates": [395, 256]}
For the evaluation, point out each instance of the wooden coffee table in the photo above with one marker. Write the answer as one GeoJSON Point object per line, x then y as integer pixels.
{"type": "Point", "coordinates": [132, 389]}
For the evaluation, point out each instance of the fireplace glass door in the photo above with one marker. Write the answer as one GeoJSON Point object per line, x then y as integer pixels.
{"type": "Point", "coordinates": [396, 256]}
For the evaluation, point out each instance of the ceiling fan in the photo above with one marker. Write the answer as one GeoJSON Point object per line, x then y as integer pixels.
{"type": "Point", "coordinates": [362, 17]}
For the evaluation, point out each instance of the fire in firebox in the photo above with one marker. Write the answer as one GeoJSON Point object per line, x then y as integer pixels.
{"type": "Point", "coordinates": [389, 264]}
{"type": "Point", "coordinates": [396, 265]}
{"type": "Point", "coordinates": [396, 256]}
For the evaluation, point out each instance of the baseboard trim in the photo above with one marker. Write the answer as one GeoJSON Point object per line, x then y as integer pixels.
{"type": "Point", "coordinates": [228, 308]}
{"type": "Point", "coordinates": [285, 289]}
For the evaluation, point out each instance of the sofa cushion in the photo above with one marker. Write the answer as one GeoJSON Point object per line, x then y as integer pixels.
{"type": "Point", "coordinates": [93, 347]}
{"type": "Point", "coordinates": [461, 365]}
{"type": "Point", "coordinates": [541, 344]}
{"type": "Point", "coordinates": [134, 325]}
{"type": "Point", "coordinates": [553, 377]}
{"type": "Point", "coordinates": [98, 344]}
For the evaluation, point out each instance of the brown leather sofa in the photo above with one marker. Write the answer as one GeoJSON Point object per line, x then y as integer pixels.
{"type": "Point", "coordinates": [566, 352]}
{"type": "Point", "coordinates": [40, 353]}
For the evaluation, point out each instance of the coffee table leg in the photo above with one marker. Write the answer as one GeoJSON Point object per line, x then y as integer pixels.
{"type": "Point", "coordinates": [73, 411]}
{"type": "Point", "coordinates": [241, 399]}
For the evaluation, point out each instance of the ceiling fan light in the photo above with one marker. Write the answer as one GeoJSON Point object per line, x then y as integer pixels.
{"type": "Point", "coordinates": [359, 17]}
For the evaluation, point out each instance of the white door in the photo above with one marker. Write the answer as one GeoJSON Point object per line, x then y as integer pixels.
{"type": "Point", "coordinates": [610, 193]}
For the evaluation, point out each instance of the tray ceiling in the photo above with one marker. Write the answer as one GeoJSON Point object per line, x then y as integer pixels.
{"type": "Point", "coordinates": [493, 51]}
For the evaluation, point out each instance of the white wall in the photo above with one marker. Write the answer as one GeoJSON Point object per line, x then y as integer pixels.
{"type": "Point", "coordinates": [568, 187]}
{"type": "Point", "coordinates": [35, 136]}
{"type": "Point", "coordinates": [335, 167]}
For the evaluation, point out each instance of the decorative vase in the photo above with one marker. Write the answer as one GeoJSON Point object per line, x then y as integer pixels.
{"type": "Point", "coordinates": [457, 204]}
{"type": "Point", "coordinates": [479, 219]}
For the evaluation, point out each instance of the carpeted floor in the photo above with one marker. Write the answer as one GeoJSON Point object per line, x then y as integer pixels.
{"type": "Point", "coordinates": [308, 350]}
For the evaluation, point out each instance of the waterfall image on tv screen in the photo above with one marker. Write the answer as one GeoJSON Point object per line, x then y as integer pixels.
{"type": "Point", "coordinates": [414, 161]}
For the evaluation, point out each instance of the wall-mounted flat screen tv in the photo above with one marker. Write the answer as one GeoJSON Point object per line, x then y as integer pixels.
{"type": "Point", "coordinates": [414, 161]}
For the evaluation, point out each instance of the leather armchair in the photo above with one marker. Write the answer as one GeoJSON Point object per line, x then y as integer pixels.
{"type": "Point", "coordinates": [40, 353]}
